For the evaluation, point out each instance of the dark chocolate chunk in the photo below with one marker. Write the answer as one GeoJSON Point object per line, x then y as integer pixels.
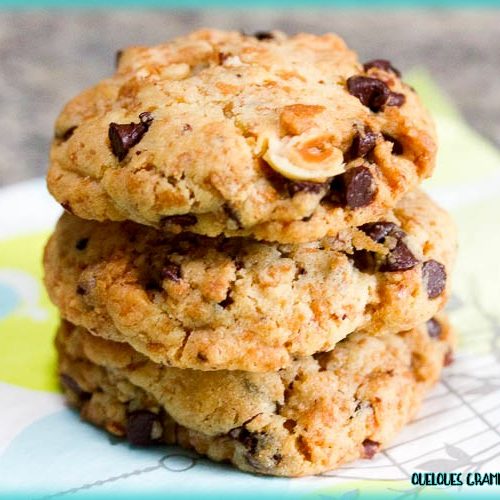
{"type": "Point", "coordinates": [146, 118]}
{"type": "Point", "coordinates": [125, 136]}
{"type": "Point", "coordinates": [140, 426]}
{"type": "Point", "coordinates": [307, 187]}
{"type": "Point", "coordinates": [400, 258]}
{"type": "Point", "coordinates": [227, 301]}
{"type": "Point", "coordinates": [82, 244]}
{"type": "Point", "coordinates": [249, 440]}
{"type": "Point", "coordinates": [382, 64]}
{"type": "Point", "coordinates": [336, 194]}
{"type": "Point", "coordinates": [263, 35]}
{"type": "Point", "coordinates": [66, 134]}
{"type": "Point", "coordinates": [171, 271]}
{"type": "Point", "coordinates": [80, 290]}
{"type": "Point", "coordinates": [365, 261]}
{"type": "Point", "coordinates": [395, 99]}
{"type": "Point", "coordinates": [359, 187]}
{"type": "Point", "coordinates": [397, 147]}
{"type": "Point", "coordinates": [378, 231]}
{"type": "Point", "coordinates": [183, 220]}
{"type": "Point", "coordinates": [433, 328]}
{"type": "Point", "coordinates": [370, 448]}
{"type": "Point", "coordinates": [73, 386]}
{"type": "Point", "coordinates": [434, 276]}
{"type": "Point", "coordinates": [362, 144]}
{"type": "Point", "coordinates": [153, 285]}
{"type": "Point", "coordinates": [372, 92]}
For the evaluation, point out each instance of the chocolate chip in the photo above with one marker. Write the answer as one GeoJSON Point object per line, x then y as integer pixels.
{"type": "Point", "coordinates": [362, 144]}
{"type": "Point", "coordinates": [73, 386]}
{"type": "Point", "coordinates": [183, 220]}
{"type": "Point", "coordinates": [307, 187]}
{"type": "Point", "coordinates": [80, 290]}
{"type": "Point", "coordinates": [153, 286]}
{"type": "Point", "coordinates": [434, 276]}
{"type": "Point", "coordinates": [227, 301]}
{"type": "Point", "coordinates": [171, 271]}
{"type": "Point", "coordinates": [336, 194]}
{"type": "Point", "coordinates": [125, 136]}
{"type": "Point", "coordinates": [248, 439]}
{"type": "Point", "coordinates": [372, 92]}
{"type": "Point", "coordinates": [395, 99]}
{"type": "Point", "coordinates": [202, 357]}
{"type": "Point", "coordinates": [433, 328]}
{"type": "Point", "coordinates": [382, 64]}
{"type": "Point", "coordinates": [365, 261]}
{"type": "Point", "coordinates": [400, 258]}
{"type": "Point", "coordinates": [397, 147]}
{"type": "Point", "coordinates": [378, 231]}
{"type": "Point", "coordinates": [370, 448]}
{"type": "Point", "coordinates": [146, 118]}
{"type": "Point", "coordinates": [359, 187]}
{"type": "Point", "coordinates": [263, 35]}
{"type": "Point", "coordinates": [140, 427]}
{"type": "Point", "coordinates": [82, 244]}
{"type": "Point", "coordinates": [66, 134]}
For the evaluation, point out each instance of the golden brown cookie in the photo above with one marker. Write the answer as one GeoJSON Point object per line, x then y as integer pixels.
{"type": "Point", "coordinates": [285, 139]}
{"type": "Point", "coordinates": [313, 416]}
{"type": "Point", "coordinates": [214, 303]}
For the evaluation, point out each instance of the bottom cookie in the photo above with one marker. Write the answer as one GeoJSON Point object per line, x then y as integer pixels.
{"type": "Point", "coordinates": [322, 411]}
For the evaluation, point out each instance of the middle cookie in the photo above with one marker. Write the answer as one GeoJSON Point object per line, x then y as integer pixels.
{"type": "Point", "coordinates": [211, 303]}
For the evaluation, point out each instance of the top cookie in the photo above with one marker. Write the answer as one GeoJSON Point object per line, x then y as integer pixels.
{"type": "Point", "coordinates": [285, 139]}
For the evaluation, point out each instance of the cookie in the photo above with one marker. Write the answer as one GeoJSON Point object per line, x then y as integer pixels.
{"type": "Point", "coordinates": [214, 303]}
{"type": "Point", "coordinates": [321, 412]}
{"type": "Point", "coordinates": [285, 139]}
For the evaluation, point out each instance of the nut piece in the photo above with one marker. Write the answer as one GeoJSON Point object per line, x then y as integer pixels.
{"type": "Point", "coordinates": [176, 71]}
{"type": "Point", "coordinates": [306, 157]}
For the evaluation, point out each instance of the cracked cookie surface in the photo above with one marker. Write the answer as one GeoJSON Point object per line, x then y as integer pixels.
{"type": "Point", "coordinates": [195, 302]}
{"type": "Point", "coordinates": [319, 413]}
{"type": "Point", "coordinates": [285, 139]}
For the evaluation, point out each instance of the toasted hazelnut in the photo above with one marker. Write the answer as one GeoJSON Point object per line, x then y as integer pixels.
{"type": "Point", "coordinates": [306, 157]}
{"type": "Point", "coordinates": [176, 71]}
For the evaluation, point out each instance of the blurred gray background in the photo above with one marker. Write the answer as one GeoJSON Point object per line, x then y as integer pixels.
{"type": "Point", "coordinates": [47, 57]}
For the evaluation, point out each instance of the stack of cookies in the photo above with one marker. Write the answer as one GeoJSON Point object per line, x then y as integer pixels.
{"type": "Point", "coordinates": [245, 265]}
